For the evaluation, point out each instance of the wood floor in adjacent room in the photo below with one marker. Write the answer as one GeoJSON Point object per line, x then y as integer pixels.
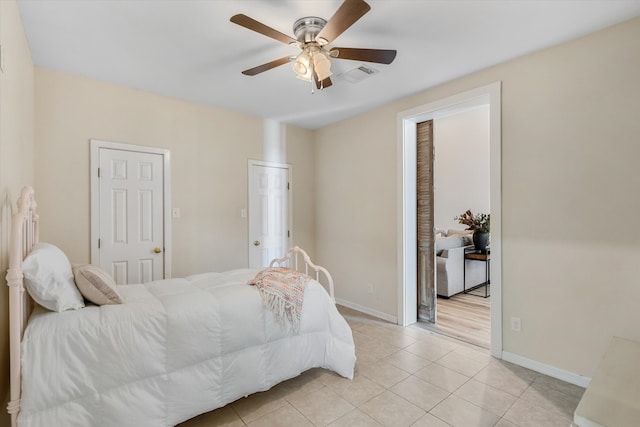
{"type": "Point", "coordinates": [465, 317]}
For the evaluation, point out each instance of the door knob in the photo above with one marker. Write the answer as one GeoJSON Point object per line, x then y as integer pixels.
{"type": "Point", "coordinates": [256, 243]}
{"type": "Point", "coordinates": [157, 250]}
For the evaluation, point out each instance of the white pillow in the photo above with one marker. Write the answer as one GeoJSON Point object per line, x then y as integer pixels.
{"type": "Point", "coordinates": [96, 285]}
{"type": "Point", "coordinates": [49, 279]}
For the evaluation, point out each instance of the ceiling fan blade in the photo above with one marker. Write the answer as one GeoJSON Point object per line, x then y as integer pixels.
{"type": "Point", "coordinates": [266, 67]}
{"type": "Point", "coordinates": [346, 15]}
{"type": "Point", "coordinates": [259, 27]}
{"type": "Point", "coordinates": [380, 56]}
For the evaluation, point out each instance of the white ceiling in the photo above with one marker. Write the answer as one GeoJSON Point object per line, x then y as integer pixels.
{"type": "Point", "coordinates": [188, 48]}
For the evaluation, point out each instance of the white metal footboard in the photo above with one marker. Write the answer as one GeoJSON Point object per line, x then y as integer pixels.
{"type": "Point", "coordinates": [290, 259]}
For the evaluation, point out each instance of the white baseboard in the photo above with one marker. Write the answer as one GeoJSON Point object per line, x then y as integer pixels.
{"type": "Point", "coordinates": [549, 370]}
{"type": "Point", "coordinates": [369, 311]}
{"type": "Point", "coordinates": [534, 365]}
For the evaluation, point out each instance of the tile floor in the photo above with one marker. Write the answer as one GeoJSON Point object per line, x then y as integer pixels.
{"type": "Point", "coordinates": [407, 377]}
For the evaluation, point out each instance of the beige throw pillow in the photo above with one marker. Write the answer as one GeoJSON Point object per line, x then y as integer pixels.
{"type": "Point", "coordinates": [96, 285]}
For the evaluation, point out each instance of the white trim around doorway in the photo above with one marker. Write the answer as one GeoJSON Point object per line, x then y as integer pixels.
{"type": "Point", "coordinates": [406, 204]}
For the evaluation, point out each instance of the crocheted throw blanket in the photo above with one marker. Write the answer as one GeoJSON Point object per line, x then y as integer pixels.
{"type": "Point", "coordinates": [282, 292]}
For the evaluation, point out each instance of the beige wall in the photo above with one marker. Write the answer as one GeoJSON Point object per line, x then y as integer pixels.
{"type": "Point", "coordinates": [300, 153]}
{"type": "Point", "coordinates": [209, 152]}
{"type": "Point", "coordinates": [356, 208]}
{"type": "Point", "coordinates": [569, 178]}
{"type": "Point", "coordinates": [461, 174]}
{"type": "Point", "coordinates": [16, 152]}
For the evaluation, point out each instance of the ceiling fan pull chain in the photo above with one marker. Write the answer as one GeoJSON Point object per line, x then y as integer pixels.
{"type": "Point", "coordinates": [312, 80]}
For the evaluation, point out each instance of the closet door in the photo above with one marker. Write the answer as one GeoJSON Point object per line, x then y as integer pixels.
{"type": "Point", "coordinates": [269, 212]}
{"type": "Point", "coordinates": [131, 242]}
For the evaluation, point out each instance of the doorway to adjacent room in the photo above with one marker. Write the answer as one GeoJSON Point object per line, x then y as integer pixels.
{"type": "Point", "coordinates": [407, 209]}
{"type": "Point", "coordinates": [452, 155]}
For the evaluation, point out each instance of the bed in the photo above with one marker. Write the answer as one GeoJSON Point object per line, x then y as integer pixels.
{"type": "Point", "coordinates": [171, 350]}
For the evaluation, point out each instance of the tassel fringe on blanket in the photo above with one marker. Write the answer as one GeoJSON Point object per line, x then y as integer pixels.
{"type": "Point", "coordinates": [282, 292]}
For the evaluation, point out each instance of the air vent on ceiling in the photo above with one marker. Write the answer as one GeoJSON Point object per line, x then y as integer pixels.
{"type": "Point", "coordinates": [358, 74]}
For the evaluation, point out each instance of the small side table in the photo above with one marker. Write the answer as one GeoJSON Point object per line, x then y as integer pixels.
{"type": "Point", "coordinates": [482, 256]}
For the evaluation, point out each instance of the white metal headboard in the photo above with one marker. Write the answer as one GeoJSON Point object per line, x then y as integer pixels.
{"type": "Point", "coordinates": [24, 235]}
{"type": "Point", "coordinates": [290, 258]}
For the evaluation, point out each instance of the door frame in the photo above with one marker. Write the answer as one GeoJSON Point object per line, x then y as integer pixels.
{"type": "Point", "coordinates": [406, 204]}
{"type": "Point", "coordinates": [250, 165]}
{"type": "Point", "coordinates": [95, 146]}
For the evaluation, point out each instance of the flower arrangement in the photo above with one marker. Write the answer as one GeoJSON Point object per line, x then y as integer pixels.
{"type": "Point", "coordinates": [477, 222]}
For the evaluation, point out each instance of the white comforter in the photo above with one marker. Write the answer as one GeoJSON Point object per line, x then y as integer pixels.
{"type": "Point", "coordinates": [174, 349]}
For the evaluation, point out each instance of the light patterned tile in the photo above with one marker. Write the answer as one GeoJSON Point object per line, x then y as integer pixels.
{"type": "Point", "coordinates": [440, 341]}
{"type": "Point", "coordinates": [328, 377]}
{"type": "Point", "coordinates": [223, 417]}
{"type": "Point", "coordinates": [391, 410]}
{"type": "Point", "coordinates": [460, 413]}
{"type": "Point", "coordinates": [357, 391]}
{"type": "Point", "coordinates": [305, 383]}
{"type": "Point", "coordinates": [475, 353]}
{"type": "Point", "coordinates": [525, 414]}
{"type": "Point", "coordinates": [284, 416]}
{"type": "Point", "coordinates": [486, 397]}
{"type": "Point", "coordinates": [397, 339]}
{"type": "Point", "coordinates": [462, 364]}
{"type": "Point", "coordinates": [322, 406]}
{"type": "Point", "coordinates": [445, 378]}
{"type": "Point", "coordinates": [355, 418]}
{"type": "Point", "coordinates": [258, 404]}
{"type": "Point", "coordinates": [406, 361]}
{"type": "Point", "coordinates": [384, 374]}
{"type": "Point", "coordinates": [506, 423]}
{"type": "Point", "coordinates": [382, 365]}
{"type": "Point", "coordinates": [544, 395]}
{"type": "Point", "coordinates": [561, 386]}
{"type": "Point", "coordinates": [429, 351]}
{"type": "Point", "coordinates": [430, 421]}
{"type": "Point", "coordinates": [419, 392]}
{"type": "Point", "coordinates": [506, 377]}
{"type": "Point", "coordinates": [370, 348]}
{"type": "Point", "coordinates": [417, 332]}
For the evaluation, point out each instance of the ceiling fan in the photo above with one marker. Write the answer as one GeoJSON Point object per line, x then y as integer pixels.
{"type": "Point", "coordinates": [313, 35]}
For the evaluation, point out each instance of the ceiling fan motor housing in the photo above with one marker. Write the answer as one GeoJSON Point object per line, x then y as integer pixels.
{"type": "Point", "coordinates": [306, 29]}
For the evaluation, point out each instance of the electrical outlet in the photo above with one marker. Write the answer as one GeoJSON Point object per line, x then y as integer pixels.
{"type": "Point", "coordinates": [369, 288]}
{"type": "Point", "coordinates": [516, 324]}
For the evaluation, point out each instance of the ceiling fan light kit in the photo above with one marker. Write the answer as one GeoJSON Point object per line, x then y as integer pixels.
{"type": "Point", "coordinates": [312, 59]}
{"type": "Point", "coordinates": [312, 33]}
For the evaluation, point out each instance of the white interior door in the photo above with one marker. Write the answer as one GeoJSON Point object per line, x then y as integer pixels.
{"type": "Point", "coordinates": [131, 238]}
{"type": "Point", "coordinates": [269, 212]}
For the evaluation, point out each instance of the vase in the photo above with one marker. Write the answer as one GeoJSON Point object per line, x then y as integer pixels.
{"type": "Point", "coordinates": [481, 239]}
